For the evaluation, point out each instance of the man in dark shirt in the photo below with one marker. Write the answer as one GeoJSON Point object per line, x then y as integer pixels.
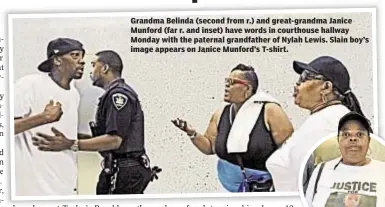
{"type": "Point", "coordinates": [118, 133]}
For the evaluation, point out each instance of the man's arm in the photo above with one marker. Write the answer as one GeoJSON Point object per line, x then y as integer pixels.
{"type": "Point", "coordinates": [118, 118]}
{"type": "Point", "coordinates": [100, 143]}
{"type": "Point", "coordinates": [84, 136]}
{"type": "Point", "coordinates": [27, 123]}
{"type": "Point", "coordinates": [50, 114]}
{"type": "Point", "coordinates": [24, 99]}
{"type": "Point", "coordinates": [278, 122]}
{"type": "Point", "coordinates": [59, 142]}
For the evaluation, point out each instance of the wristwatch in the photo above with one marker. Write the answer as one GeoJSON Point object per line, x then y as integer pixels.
{"type": "Point", "coordinates": [192, 136]}
{"type": "Point", "coordinates": [75, 146]}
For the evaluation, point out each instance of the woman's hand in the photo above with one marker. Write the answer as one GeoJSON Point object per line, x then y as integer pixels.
{"type": "Point", "coordinates": [184, 126]}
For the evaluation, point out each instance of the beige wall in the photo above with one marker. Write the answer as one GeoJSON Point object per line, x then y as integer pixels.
{"type": "Point", "coordinates": [329, 150]}
{"type": "Point", "coordinates": [89, 169]}
{"type": "Point", "coordinates": [188, 85]}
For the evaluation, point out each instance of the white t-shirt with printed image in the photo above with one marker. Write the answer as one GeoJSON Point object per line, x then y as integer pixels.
{"type": "Point", "coordinates": [41, 173]}
{"type": "Point", "coordinates": [348, 186]}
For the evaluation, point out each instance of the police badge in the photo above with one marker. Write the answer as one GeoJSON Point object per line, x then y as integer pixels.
{"type": "Point", "coordinates": [119, 100]}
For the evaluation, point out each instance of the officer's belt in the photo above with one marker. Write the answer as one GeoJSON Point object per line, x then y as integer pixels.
{"type": "Point", "coordinates": [127, 162]}
{"type": "Point", "coordinates": [122, 156]}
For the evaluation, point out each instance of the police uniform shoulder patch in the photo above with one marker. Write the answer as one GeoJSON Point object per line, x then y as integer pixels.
{"type": "Point", "coordinates": [119, 100]}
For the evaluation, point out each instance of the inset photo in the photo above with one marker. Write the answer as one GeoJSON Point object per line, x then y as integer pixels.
{"type": "Point", "coordinates": [345, 169]}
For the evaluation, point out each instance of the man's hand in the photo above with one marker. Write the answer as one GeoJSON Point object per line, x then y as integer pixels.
{"type": "Point", "coordinates": [52, 112]}
{"type": "Point", "coordinates": [58, 142]}
{"type": "Point", "coordinates": [184, 126]}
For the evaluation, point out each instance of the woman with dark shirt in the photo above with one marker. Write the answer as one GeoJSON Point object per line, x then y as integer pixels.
{"type": "Point", "coordinates": [253, 134]}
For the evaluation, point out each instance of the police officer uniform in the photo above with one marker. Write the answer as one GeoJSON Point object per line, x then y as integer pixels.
{"type": "Point", "coordinates": [126, 170]}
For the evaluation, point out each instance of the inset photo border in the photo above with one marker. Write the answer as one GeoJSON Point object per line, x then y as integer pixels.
{"type": "Point", "coordinates": [365, 191]}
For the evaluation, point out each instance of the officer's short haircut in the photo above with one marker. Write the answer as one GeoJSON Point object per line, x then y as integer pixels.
{"type": "Point", "coordinates": [112, 59]}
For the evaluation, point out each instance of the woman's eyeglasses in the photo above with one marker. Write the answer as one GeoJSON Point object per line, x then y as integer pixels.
{"type": "Point", "coordinates": [307, 75]}
{"type": "Point", "coordinates": [233, 81]}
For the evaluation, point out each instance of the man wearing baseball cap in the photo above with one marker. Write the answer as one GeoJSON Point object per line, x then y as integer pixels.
{"type": "Point", "coordinates": [117, 133]}
{"type": "Point", "coordinates": [48, 173]}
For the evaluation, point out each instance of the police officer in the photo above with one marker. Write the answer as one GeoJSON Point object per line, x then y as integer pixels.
{"type": "Point", "coordinates": [118, 133]}
{"type": "Point", "coordinates": [120, 113]}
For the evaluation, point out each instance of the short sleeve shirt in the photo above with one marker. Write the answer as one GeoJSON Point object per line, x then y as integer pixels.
{"type": "Point", "coordinates": [119, 113]}
{"type": "Point", "coordinates": [53, 173]}
{"type": "Point", "coordinates": [345, 185]}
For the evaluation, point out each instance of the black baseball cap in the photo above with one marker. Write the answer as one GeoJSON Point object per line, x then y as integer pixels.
{"type": "Point", "coordinates": [355, 116]}
{"type": "Point", "coordinates": [331, 68]}
{"type": "Point", "coordinates": [59, 46]}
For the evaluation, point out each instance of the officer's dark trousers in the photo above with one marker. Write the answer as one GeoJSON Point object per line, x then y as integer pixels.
{"type": "Point", "coordinates": [130, 180]}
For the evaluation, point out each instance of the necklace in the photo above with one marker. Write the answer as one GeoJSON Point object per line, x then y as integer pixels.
{"type": "Point", "coordinates": [324, 105]}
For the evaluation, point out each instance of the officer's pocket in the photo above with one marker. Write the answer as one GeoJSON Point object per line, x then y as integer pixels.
{"type": "Point", "coordinates": [129, 176]}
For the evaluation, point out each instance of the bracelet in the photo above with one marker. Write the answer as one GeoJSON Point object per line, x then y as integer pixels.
{"type": "Point", "coordinates": [193, 135]}
{"type": "Point", "coordinates": [75, 146]}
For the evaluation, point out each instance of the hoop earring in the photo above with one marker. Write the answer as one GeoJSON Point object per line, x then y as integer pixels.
{"type": "Point", "coordinates": [369, 152]}
{"type": "Point", "coordinates": [324, 98]}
